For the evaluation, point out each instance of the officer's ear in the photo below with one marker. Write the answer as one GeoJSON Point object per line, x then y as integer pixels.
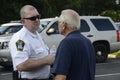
{"type": "Point", "coordinates": [23, 21]}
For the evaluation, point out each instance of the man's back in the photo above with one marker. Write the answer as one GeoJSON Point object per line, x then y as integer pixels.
{"type": "Point", "coordinates": [78, 55]}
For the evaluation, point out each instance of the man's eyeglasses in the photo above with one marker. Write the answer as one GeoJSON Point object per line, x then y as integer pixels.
{"type": "Point", "coordinates": [33, 18]}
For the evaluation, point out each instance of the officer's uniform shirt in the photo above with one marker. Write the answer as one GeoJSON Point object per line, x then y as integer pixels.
{"type": "Point", "coordinates": [26, 45]}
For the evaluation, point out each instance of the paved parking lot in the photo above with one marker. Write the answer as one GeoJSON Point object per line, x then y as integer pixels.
{"type": "Point", "coordinates": [109, 70]}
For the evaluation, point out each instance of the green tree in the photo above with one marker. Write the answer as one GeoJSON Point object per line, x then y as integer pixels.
{"type": "Point", "coordinates": [102, 5]}
{"type": "Point", "coordinates": [51, 8]}
{"type": "Point", "coordinates": [115, 15]}
{"type": "Point", "coordinates": [87, 7]}
{"type": "Point", "coordinates": [9, 10]}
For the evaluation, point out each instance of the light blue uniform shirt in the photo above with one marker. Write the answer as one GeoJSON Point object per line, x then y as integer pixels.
{"type": "Point", "coordinates": [34, 48]}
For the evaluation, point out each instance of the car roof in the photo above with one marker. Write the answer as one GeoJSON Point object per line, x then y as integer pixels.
{"type": "Point", "coordinates": [48, 19]}
{"type": "Point", "coordinates": [117, 22]}
{"type": "Point", "coordinates": [81, 17]}
{"type": "Point", "coordinates": [10, 24]}
{"type": "Point", "coordinates": [91, 17]}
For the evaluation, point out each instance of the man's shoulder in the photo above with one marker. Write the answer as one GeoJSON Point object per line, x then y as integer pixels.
{"type": "Point", "coordinates": [19, 35]}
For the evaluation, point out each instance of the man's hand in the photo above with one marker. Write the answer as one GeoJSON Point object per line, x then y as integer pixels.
{"type": "Point", "coordinates": [49, 59]}
{"type": "Point", "coordinates": [60, 77]}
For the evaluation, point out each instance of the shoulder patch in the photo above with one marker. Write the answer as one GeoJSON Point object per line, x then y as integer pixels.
{"type": "Point", "coordinates": [20, 45]}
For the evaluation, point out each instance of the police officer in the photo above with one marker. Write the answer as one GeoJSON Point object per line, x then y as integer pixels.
{"type": "Point", "coordinates": [29, 53]}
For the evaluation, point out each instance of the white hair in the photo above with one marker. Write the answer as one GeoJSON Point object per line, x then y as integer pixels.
{"type": "Point", "coordinates": [26, 8]}
{"type": "Point", "coordinates": [70, 17]}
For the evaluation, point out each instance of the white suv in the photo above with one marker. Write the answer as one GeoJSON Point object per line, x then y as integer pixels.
{"type": "Point", "coordinates": [100, 30]}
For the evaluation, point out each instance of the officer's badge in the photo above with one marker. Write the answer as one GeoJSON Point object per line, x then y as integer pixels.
{"type": "Point", "coordinates": [20, 45]}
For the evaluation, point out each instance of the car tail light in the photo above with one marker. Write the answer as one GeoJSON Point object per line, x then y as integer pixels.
{"type": "Point", "coordinates": [118, 35]}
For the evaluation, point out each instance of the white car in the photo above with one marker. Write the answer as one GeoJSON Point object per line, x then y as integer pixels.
{"type": "Point", "coordinates": [6, 32]}
{"type": "Point", "coordinates": [50, 33]}
{"type": "Point", "coordinates": [99, 29]}
{"type": "Point", "coordinates": [10, 28]}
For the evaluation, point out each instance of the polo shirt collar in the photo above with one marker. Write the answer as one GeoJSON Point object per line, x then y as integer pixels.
{"type": "Point", "coordinates": [74, 32]}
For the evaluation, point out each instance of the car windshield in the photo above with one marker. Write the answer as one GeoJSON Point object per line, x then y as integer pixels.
{"type": "Point", "coordinates": [43, 25]}
{"type": "Point", "coordinates": [3, 28]}
{"type": "Point", "coordinates": [9, 29]}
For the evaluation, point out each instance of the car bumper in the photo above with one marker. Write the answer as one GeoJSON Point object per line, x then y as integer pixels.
{"type": "Point", "coordinates": [5, 57]}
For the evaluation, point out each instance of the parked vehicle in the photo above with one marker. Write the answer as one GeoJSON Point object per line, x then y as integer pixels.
{"type": "Point", "coordinates": [100, 30]}
{"type": "Point", "coordinates": [6, 31]}
{"type": "Point", "coordinates": [10, 28]}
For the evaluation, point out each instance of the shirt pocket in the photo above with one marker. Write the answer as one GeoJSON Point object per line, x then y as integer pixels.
{"type": "Point", "coordinates": [38, 53]}
{"type": "Point", "coordinates": [39, 50]}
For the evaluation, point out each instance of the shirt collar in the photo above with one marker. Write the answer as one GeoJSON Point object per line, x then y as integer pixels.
{"type": "Point", "coordinates": [74, 32]}
{"type": "Point", "coordinates": [31, 34]}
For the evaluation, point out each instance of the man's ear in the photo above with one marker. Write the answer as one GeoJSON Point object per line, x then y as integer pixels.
{"type": "Point", "coordinates": [65, 25]}
{"type": "Point", "coordinates": [22, 20]}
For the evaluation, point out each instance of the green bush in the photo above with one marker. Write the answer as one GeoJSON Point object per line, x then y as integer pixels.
{"type": "Point", "coordinates": [115, 15]}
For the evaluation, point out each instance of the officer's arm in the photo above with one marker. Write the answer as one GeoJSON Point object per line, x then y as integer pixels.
{"type": "Point", "coordinates": [34, 64]}
{"type": "Point", "coordinates": [60, 77]}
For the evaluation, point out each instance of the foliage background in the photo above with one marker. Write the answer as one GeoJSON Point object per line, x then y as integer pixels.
{"type": "Point", "coordinates": [9, 9]}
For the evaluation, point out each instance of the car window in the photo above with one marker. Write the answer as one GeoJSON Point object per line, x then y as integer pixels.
{"type": "Point", "coordinates": [43, 25]}
{"type": "Point", "coordinates": [55, 26]}
{"type": "Point", "coordinates": [84, 26]}
{"type": "Point", "coordinates": [53, 29]}
{"type": "Point", "coordinates": [2, 29]}
{"type": "Point", "coordinates": [13, 29]}
{"type": "Point", "coordinates": [41, 28]}
{"type": "Point", "coordinates": [102, 24]}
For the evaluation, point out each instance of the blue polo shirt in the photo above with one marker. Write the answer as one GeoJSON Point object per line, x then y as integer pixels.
{"type": "Point", "coordinates": [75, 58]}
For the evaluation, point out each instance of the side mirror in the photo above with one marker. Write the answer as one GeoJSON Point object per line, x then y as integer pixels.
{"type": "Point", "coordinates": [50, 31]}
{"type": "Point", "coordinates": [7, 32]}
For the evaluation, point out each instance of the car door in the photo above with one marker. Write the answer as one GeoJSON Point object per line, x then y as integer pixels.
{"type": "Point", "coordinates": [51, 35]}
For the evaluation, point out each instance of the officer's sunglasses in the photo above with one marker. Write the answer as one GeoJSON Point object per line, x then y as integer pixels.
{"type": "Point", "coordinates": [33, 18]}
